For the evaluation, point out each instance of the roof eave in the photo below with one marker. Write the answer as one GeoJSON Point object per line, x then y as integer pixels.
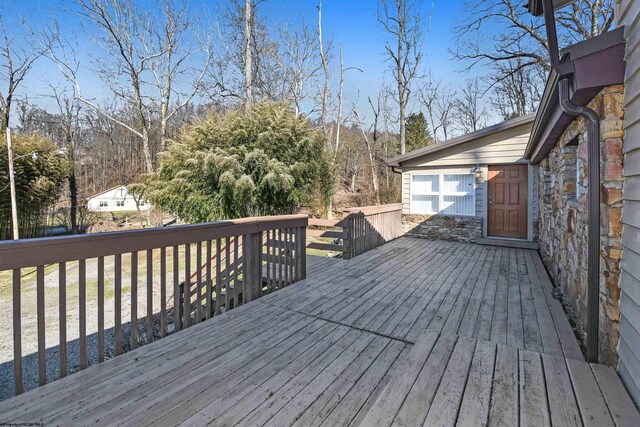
{"type": "Point", "coordinates": [482, 133]}
{"type": "Point", "coordinates": [597, 63]}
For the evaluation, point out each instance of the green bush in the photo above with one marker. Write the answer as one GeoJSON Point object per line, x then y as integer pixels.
{"type": "Point", "coordinates": [262, 161]}
{"type": "Point", "coordinates": [38, 183]}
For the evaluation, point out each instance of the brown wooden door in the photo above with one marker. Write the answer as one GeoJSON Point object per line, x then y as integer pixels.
{"type": "Point", "coordinates": [508, 201]}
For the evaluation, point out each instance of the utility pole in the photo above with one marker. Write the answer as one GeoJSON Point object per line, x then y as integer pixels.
{"type": "Point", "coordinates": [12, 184]}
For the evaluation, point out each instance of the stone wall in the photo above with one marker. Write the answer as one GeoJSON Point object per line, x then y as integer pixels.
{"type": "Point", "coordinates": [454, 228]}
{"type": "Point", "coordinates": [562, 226]}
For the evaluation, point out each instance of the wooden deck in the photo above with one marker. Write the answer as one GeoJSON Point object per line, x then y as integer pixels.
{"type": "Point", "coordinates": [415, 332]}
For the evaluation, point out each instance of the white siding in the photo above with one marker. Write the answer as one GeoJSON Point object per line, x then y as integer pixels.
{"type": "Point", "coordinates": [116, 200]}
{"type": "Point", "coordinates": [500, 148]}
{"type": "Point", "coordinates": [627, 14]}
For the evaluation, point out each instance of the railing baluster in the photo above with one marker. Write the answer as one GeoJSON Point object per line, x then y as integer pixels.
{"type": "Point", "coordinates": [198, 281]}
{"type": "Point", "coordinates": [163, 292]}
{"type": "Point", "coordinates": [303, 253]}
{"type": "Point", "coordinates": [268, 256]}
{"type": "Point", "coordinates": [285, 244]}
{"type": "Point", "coordinates": [149, 295]}
{"type": "Point", "coordinates": [134, 300]}
{"type": "Point", "coordinates": [258, 271]}
{"type": "Point", "coordinates": [236, 290]}
{"type": "Point", "coordinates": [117, 294]}
{"type": "Point", "coordinates": [82, 290]}
{"type": "Point", "coordinates": [209, 287]}
{"type": "Point", "coordinates": [280, 256]}
{"type": "Point", "coordinates": [176, 289]}
{"type": "Point", "coordinates": [17, 332]}
{"type": "Point", "coordinates": [62, 307]}
{"type": "Point", "coordinates": [234, 273]}
{"type": "Point", "coordinates": [227, 274]}
{"type": "Point", "coordinates": [101, 310]}
{"type": "Point", "coordinates": [187, 286]}
{"type": "Point", "coordinates": [246, 284]}
{"type": "Point", "coordinates": [42, 357]}
{"type": "Point", "coordinates": [292, 256]}
{"type": "Point", "coordinates": [218, 276]}
{"type": "Point", "coordinates": [296, 259]}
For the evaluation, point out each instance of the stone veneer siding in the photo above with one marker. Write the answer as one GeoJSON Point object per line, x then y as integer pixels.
{"type": "Point", "coordinates": [455, 228]}
{"type": "Point", "coordinates": [562, 228]}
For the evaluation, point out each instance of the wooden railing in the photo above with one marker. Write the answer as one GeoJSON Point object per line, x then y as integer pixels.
{"type": "Point", "coordinates": [360, 230]}
{"type": "Point", "coordinates": [234, 262]}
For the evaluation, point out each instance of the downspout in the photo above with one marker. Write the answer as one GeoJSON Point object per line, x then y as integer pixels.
{"type": "Point", "coordinates": [393, 169]}
{"type": "Point", "coordinates": [593, 142]}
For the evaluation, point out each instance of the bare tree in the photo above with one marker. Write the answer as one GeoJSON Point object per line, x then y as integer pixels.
{"type": "Point", "coordinates": [248, 66]}
{"type": "Point", "coordinates": [370, 144]}
{"type": "Point", "coordinates": [139, 51]}
{"type": "Point", "coordinates": [68, 119]}
{"type": "Point", "coordinates": [324, 91]}
{"type": "Point", "coordinates": [17, 56]}
{"type": "Point", "coordinates": [244, 66]}
{"type": "Point", "coordinates": [439, 102]}
{"type": "Point", "coordinates": [428, 95]}
{"type": "Point", "coordinates": [445, 107]}
{"type": "Point", "coordinates": [115, 26]}
{"type": "Point", "coordinates": [404, 22]}
{"type": "Point", "coordinates": [300, 61]}
{"type": "Point", "coordinates": [339, 119]}
{"type": "Point", "coordinates": [519, 40]}
{"type": "Point", "coordinates": [470, 113]}
{"type": "Point", "coordinates": [388, 142]}
{"type": "Point", "coordinates": [519, 92]}
{"type": "Point", "coordinates": [179, 70]}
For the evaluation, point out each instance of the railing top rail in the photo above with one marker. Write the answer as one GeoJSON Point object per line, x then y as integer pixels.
{"type": "Point", "coordinates": [48, 250]}
{"type": "Point", "coordinates": [371, 210]}
{"type": "Point", "coordinates": [326, 222]}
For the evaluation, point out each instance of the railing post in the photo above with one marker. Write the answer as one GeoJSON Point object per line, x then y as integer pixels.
{"type": "Point", "coordinates": [348, 228]}
{"type": "Point", "coordinates": [301, 252]}
{"type": "Point", "coordinates": [253, 266]}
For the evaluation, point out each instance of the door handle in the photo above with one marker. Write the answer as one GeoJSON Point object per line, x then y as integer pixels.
{"type": "Point", "coordinates": [490, 200]}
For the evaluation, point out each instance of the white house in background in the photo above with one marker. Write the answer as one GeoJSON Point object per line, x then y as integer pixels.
{"type": "Point", "coordinates": [116, 199]}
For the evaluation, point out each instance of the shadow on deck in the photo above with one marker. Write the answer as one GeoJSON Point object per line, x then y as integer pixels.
{"type": "Point", "coordinates": [414, 332]}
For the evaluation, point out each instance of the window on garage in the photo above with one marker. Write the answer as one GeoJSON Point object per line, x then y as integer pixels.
{"type": "Point", "coordinates": [444, 193]}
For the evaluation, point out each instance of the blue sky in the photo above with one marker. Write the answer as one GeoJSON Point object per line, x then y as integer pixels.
{"type": "Point", "coordinates": [350, 23]}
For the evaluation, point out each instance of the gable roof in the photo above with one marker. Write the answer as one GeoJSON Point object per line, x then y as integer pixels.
{"type": "Point", "coordinates": [107, 190]}
{"type": "Point", "coordinates": [440, 146]}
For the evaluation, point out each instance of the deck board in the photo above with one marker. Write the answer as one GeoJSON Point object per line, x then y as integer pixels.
{"type": "Point", "coordinates": [414, 332]}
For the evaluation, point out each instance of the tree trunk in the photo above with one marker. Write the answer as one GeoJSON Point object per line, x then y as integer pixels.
{"type": "Point", "coordinates": [374, 174]}
{"type": "Point", "coordinates": [248, 67]}
{"type": "Point", "coordinates": [163, 125]}
{"type": "Point", "coordinates": [403, 131]}
{"type": "Point", "coordinates": [146, 149]}
{"type": "Point", "coordinates": [73, 186]}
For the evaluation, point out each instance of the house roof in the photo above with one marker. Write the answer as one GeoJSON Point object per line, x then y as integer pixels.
{"type": "Point", "coordinates": [535, 6]}
{"type": "Point", "coordinates": [596, 63]}
{"type": "Point", "coordinates": [107, 190]}
{"type": "Point", "coordinates": [431, 149]}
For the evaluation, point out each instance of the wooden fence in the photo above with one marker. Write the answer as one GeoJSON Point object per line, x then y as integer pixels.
{"type": "Point", "coordinates": [360, 230]}
{"type": "Point", "coordinates": [234, 262]}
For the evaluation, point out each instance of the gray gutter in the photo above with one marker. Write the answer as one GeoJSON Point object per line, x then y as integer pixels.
{"type": "Point", "coordinates": [440, 146]}
{"type": "Point", "coordinates": [597, 63]}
